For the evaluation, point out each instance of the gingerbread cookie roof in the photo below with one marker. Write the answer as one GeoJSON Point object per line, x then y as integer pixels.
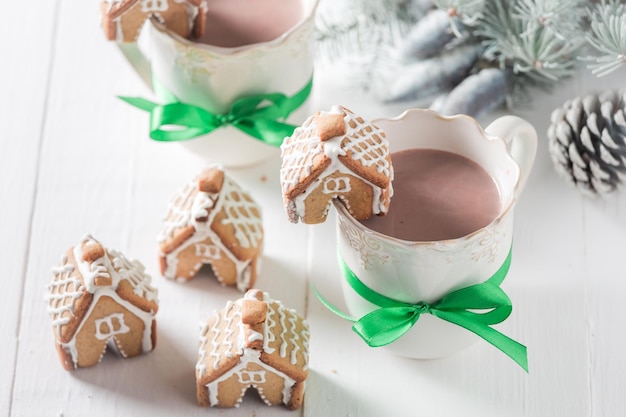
{"type": "Point", "coordinates": [86, 269]}
{"type": "Point", "coordinates": [331, 137]}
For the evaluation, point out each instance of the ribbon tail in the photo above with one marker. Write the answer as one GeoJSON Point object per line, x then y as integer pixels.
{"type": "Point", "coordinates": [140, 103]}
{"type": "Point", "coordinates": [380, 327]}
{"type": "Point", "coordinates": [508, 346]}
{"type": "Point", "coordinates": [334, 309]}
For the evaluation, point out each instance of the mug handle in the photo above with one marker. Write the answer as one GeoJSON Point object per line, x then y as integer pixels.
{"type": "Point", "coordinates": [521, 139]}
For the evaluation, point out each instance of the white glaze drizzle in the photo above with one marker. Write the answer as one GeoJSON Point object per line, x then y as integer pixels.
{"type": "Point", "coordinates": [153, 6]}
{"type": "Point", "coordinates": [248, 227]}
{"type": "Point", "coordinates": [229, 335]}
{"type": "Point", "coordinates": [282, 351]}
{"type": "Point", "coordinates": [59, 297]}
{"type": "Point", "coordinates": [215, 351]}
{"type": "Point", "coordinates": [134, 273]}
{"type": "Point", "coordinates": [200, 365]}
{"type": "Point", "coordinates": [269, 336]}
{"type": "Point", "coordinates": [293, 339]}
{"type": "Point", "coordinates": [109, 321]}
{"type": "Point", "coordinates": [253, 336]}
{"type": "Point", "coordinates": [305, 344]}
{"type": "Point", "coordinates": [90, 271]}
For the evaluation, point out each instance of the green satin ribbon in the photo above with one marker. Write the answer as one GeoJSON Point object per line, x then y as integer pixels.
{"type": "Point", "coordinates": [260, 116]}
{"type": "Point", "coordinates": [461, 307]}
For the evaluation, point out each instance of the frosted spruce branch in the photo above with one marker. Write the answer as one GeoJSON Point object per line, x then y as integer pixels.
{"type": "Point", "coordinates": [607, 35]}
{"type": "Point", "coordinates": [563, 18]}
{"type": "Point", "coordinates": [529, 48]}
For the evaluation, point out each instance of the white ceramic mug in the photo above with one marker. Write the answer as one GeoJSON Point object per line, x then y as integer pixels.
{"type": "Point", "coordinates": [213, 77]}
{"type": "Point", "coordinates": [415, 272]}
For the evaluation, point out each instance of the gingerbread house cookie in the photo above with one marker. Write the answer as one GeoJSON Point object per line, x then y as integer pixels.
{"type": "Point", "coordinates": [98, 296]}
{"type": "Point", "coordinates": [122, 20]}
{"type": "Point", "coordinates": [253, 342]}
{"type": "Point", "coordinates": [335, 154]}
{"type": "Point", "coordinates": [212, 221]}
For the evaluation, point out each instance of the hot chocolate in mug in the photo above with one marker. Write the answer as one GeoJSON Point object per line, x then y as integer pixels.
{"type": "Point", "coordinates": [248, 48]}
{"type": "Point", "coordinates": [423, 271]}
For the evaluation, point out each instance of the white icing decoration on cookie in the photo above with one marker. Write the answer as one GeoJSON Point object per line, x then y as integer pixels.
{"type": "Point", "coordinates": [248, 228]}
{"type": "Point", "coordinates": [200, 366]}
{"type": "Point", "coordinates": [208, 251]}
{"type": "Point", "coordinates": [336, 185]}
{"type": "Point", "coordinates": [111, 325]}
{"type": "Point", "coordinates": [250, 377]}
{"type": "Point", "coordinates": [283, 345]}
{"type": "Point", "coordinates": [134, 273]}
{"type": "Point", "coordinates": [59, 307]}
{"type": "Point", "coordinates": [293, 339]}
{"type": "Point", "coordinates": [269, 336]}
{"type": "Point", "coordinates": [254, 336]}
{"type": "Point", "coordinates": [202, 203]}
{"type": "Point", "coordinates": [150, 6]}
{"type": "Point", "coordinates": [96, 269]}
{"type": "Point", "coordinates": [216, 334]}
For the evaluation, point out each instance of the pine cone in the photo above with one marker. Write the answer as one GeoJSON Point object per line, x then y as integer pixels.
{"type": "Point", "coordinates": [587, 141]}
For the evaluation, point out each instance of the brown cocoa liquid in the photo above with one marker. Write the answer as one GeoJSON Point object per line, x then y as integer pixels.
{"type": "Point", "coordinates": [438, 195]}
{"type": "Point", "coordinates": [232, 23]}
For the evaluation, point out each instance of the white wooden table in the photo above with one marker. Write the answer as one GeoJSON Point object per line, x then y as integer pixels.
{"type": "Point", "coordinates": [76, 160]}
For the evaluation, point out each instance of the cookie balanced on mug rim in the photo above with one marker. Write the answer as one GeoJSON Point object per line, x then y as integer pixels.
{"type": "Point", "coordinates": [213, 221]}
{"type": "Point", "coordinates": [96, 298]}
{"type": "Point", "coordinates": [122, 20]}
{"type": "Point", "coordinates": [335, 155]}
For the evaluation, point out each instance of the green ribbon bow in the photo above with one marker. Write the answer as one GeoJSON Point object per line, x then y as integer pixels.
{"type": "Point", "coordinates": [394, 318]}
{"type": "Point", "coordinates": [259, 115]}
